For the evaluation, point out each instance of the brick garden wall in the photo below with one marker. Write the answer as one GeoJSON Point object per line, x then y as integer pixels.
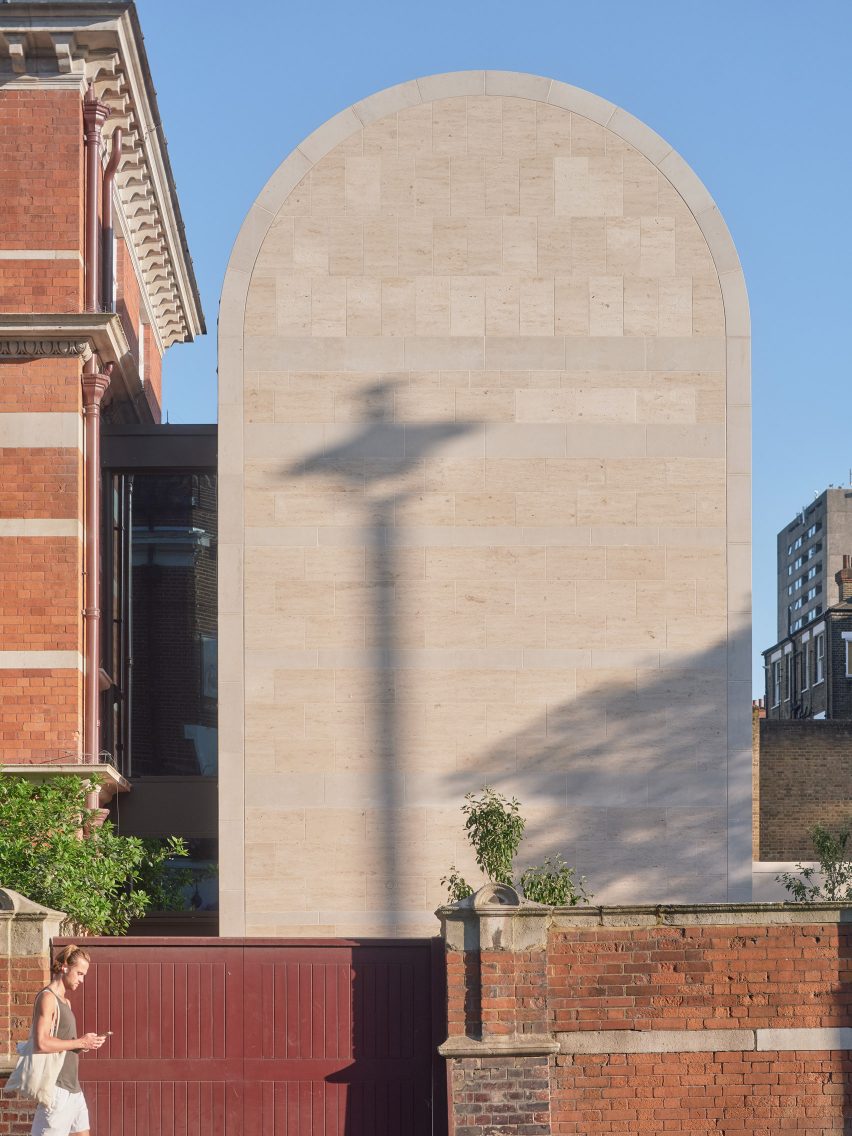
{"type": "Point", "coordinates": [805, 778]}
{"type": "Point", "coordinates": [729, 1094]}
{"type": "Point", "coordinates": [711, 1020]}
{"type": "Point", "coordinates": [691, 978]}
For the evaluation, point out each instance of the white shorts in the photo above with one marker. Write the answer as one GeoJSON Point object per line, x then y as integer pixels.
{"type": "Point", "coordinates": [69, 1114]}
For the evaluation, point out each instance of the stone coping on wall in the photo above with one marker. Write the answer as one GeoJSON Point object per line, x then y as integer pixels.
{"type": "Point", "coordinates": [791, 1039]}
{"type": "Point", "coordinates": [513, 1045]}
{"type": "Point", "coordinates": [526, 926]}
{"type": "Point", "coordinates": [702, 914]}
{"type": "Point", "coordinates": [675, 915]}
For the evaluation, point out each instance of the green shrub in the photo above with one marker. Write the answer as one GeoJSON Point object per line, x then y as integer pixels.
{"type": "Point", "coordinates": [553, 883]}
{"type": "Point", "coordinates": [835, 871]}
{"type": "Point", "coordinates": [456, 885]}
{"type": "Point", "coordinates": [495, 828]}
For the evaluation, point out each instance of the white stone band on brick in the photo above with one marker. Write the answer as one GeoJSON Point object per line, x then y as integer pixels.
{"type": "Point", "coordinates": [806, 1039]}
{"type": "Point", "coordinates": [41, 254]}
{"type": "Point", "coordinates": [32, 430]}
{"type": "Point", "coordinates": [41, 526]}
{"type": "Point", "coordinates": [41, 661]}
{"type": "Point", "coordinates": [705, 1041]}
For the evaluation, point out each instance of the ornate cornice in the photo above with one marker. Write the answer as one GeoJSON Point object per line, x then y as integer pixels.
{"type": "Point", "coordinates": [15, 348]}
{"type": "Point", "coordinates": [74, 44]}
{"type": "Point", "coordinates": [43, 335]}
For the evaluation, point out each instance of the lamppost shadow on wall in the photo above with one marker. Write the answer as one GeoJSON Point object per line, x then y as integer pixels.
{"type": "Point", "coordinates": [383, 457]}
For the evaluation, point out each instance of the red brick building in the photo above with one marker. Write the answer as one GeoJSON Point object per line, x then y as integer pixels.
{"type": "Point", "coordinates": [95, 284]}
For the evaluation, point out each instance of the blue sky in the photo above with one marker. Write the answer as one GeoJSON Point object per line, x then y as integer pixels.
{"type": "Point", "coordinates": [755, 94]}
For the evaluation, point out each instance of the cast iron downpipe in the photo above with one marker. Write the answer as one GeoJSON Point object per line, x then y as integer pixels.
{"type": "Point", "coordinates": [95, 384]}
{"type": "Point", "coordinates": [107, 303]}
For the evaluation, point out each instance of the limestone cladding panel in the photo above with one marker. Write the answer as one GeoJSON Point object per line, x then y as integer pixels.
{"type": "Point", "coordinates": [480, 534]}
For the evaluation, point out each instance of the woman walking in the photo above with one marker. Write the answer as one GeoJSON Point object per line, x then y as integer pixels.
{"type": "Point", "coordinates": [69, 1115]}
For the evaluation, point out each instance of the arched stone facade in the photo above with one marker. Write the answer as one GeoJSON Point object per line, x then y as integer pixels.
{"type": "Point", "coordinates": [484, 492]}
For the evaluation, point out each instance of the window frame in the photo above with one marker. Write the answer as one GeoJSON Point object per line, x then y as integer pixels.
{"type": "Point", "coordinates": [775, 681]}
{"type": "Point", "coordinates": [819, 658]}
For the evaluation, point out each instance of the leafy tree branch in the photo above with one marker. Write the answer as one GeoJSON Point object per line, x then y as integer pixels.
{"type": "Point", "coordinates": [100, 880]}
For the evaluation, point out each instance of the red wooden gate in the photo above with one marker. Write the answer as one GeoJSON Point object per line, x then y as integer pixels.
{"type": "Point", "coordinates": [257, 1037]}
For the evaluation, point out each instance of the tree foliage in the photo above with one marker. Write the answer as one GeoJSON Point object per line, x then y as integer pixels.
{"type": "Point", "coordinates": [495, 829]}
{"type": "Point", "coordinates": [100, 880]}
{"type": "Point", "coordinates": [832, 881]}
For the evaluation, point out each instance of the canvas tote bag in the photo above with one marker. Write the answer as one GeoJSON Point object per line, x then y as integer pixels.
{"type": "Point", "coordinates": [35, 1074]}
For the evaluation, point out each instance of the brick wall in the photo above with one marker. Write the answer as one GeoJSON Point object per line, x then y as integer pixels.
{"type": "Point", "coordinates": [153, 374]}
{"type": "Point", "coordinates": [129, 308]}
{"type": "Point", "coordinates": [41, 577]}
{"type": "Point", "coordinates": [41, 286]}
{"type": "Point", "coordinates": [40, 715]}
{"type": "Point", "coordinates": [805, 778]}
{"type": "Point", "coordinates": [839, 621]}
{"type": "Point", "coordinates": [649, 1094]}
{"type": "Point", "coordinates": [41, 491]}
{"type": "Point", "coordinates": [40, 385]}
{"type": "Point", "coordinates": [491, 1095]}
{"type": "Point", "coordinates": [41, 172]}
{"type": "Point", "coordinates": [692, 978]}
{"type": "Point", "coordinates": [40, 483]}
{"type": "Point", "coordinates": [128, 299]}
{"type": "Point", "coordinates": [646, 1021]}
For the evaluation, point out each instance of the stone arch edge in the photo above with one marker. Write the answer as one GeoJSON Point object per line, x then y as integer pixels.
{"type": "Point", "coordinates": [232, 307]}
{"type": "Point", "coordinates": [512, 84]}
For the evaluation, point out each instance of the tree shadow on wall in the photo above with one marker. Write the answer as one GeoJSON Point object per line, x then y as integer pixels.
{"type": "Point", "coordinates": [628, 777]}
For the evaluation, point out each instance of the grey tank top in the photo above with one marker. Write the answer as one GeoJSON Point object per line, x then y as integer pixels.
{"type": "Point", "coordinates": [68, 1078]}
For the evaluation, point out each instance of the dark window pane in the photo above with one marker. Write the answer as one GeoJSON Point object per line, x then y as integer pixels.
{"type": "Point", "coordinates": [174, 635]}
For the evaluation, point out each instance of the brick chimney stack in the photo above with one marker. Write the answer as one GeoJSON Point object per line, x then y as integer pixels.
{"type": "Point", "coordinates": [844, 580]}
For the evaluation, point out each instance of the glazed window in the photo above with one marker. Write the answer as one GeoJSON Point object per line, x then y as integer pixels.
{"type": "Point", "coordinates": [776, 682]}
